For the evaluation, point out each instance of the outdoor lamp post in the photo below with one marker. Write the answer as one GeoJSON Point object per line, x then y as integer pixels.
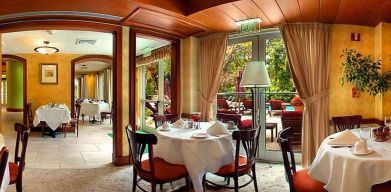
{"type": "Point", "coordinates": [256, 78]}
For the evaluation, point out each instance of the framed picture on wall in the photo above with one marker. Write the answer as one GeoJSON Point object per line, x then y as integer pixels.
{"type": "Point", "coordinates": [49, 73]}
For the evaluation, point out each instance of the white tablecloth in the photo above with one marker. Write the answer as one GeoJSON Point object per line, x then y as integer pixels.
{"type": "Point", "coordinates": [94, 109]}
{"type": "Point", "coordinates": [198, 155]}
{"type": "Point", "coordinates": [53, 117]}
{"type": "Point", "coordinates": [343, 171]}
{"type": "Point", "coordinates": [6, 178]}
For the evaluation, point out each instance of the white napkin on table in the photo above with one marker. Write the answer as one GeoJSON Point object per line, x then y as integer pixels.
{"type": "Point", "coordinates": [179, 123]}
{"type": "Point", "coordinates": [218, 128]}
{"type": "Point", "coordinates": [345, 138]}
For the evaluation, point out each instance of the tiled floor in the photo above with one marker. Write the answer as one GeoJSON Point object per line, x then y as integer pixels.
{"type": "Point", "coordinates": [93, 148]}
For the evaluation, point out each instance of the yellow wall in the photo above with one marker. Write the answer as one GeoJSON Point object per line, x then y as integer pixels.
{"type": "Point", "coordinates": [90, 82]}
{"type": "Point", "coordinates": [39, 94]}
{"type": "Point", "coordinates": [341, 101]}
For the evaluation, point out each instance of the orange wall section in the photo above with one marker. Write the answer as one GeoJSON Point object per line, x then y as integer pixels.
{"type": "Point", "coordinates": [40, 94]}
{"type": "Point", "coordinates": [341, 101]}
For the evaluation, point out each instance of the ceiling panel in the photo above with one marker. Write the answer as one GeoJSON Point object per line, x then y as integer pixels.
{"type": "Point", "coordinates": [271, 9]}
{"type": "Point", "coordinates": [290, 9]}
{"type": "Point", "coordinates": [310, 10]}
{"type": "Point", "coordinates": [370, 8]}
{"type": "Point", "coordinates": [328, 10]}
{"type": "Point", "coordinates": [216, 18]}
{"type": "Point", "coordinates": [348, 11]}
{"type": "Point", "coordinates": [232, 11]}
{"type": "Point", "coordinates": [252, 11]}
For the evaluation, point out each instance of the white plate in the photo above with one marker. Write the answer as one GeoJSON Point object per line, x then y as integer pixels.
{"type": "Point", "coordinates": [200, 135]}
{"type": "Point", "coordinates": [370, 150]}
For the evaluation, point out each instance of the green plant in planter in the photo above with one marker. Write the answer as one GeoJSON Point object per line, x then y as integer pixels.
{"type": "Point", "coordinates": [364, 73]}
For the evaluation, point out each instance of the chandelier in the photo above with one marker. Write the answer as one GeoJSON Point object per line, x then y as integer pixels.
{"type": "Point", "coordinates": [46, 50]}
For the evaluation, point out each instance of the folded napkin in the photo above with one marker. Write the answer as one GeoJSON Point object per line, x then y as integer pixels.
{"type": "Point", "coordinates": [344, 138]}
{"type": "Point", "coordinates": [218, 128]}
{"type": "Point", "coordinates": [179, 123]}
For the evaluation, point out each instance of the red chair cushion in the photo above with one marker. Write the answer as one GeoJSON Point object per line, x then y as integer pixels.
{"type": "Point", "coordinates": [383, 187]}
{"type": "Point", "coordinates": [164, 171]}
{"type": "Point", "coordinates": [13, 172]}
{"type": "Point", "coordinates": [247, 124]}
{"type": "Point", "coordinates": [304, 183]}
{"type": "Point", "coordinates": [228, 170]}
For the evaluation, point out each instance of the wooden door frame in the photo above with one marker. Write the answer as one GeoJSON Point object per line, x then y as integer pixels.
{"type": "Point", "coordinates": [175, 71]}
{"type": "Point", "coordinates": [81, 59]}
{"type": "Point", "coordinates": [24, 63]}
{"type": "Point", "coordinates": [116, 30]}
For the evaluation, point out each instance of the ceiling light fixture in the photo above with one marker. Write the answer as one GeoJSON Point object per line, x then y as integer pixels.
{"type": "Point", "coordinates": [46, 50]}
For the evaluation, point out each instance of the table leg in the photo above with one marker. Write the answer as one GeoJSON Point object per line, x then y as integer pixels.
{"type": "Point", "coordinates": [271, 131]}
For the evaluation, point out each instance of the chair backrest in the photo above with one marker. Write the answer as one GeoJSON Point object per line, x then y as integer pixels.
{"type": "Point", "coordinates": [248, 141]}
{"type": "Point", "coordinates": [284, 139]}
{"type": "Point", "coordinates": [22, 136]}
{"type": "Point", "coordinates": [248, 103]}
{"type": "Point", "coordinates": [29, 113]}
{"type": "Point", "coordinates": [152, 108]}
{"type": "Point", "coordinates": [225, 117]}
{"type": "Point", "coordinates": [222, 104]}
{"type": "Point", "coordinates": [276, 104]}
{"type": "Point", "coordinates": [160, 119]}
{"type": "Point", "coordinates": [294, 120]}
{"type": "Point", "coordinates": [77, 111]}
{"type": "Point", "coordinates": [3, 163]}
{"type": "Point", "coordinates": [138, 144]}
{"type": "Point", "coordinates": [346, 122]}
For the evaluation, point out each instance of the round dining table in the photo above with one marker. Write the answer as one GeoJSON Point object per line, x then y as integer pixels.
{"type": "Point", "coordinates": [342, 171]}
{"type": "Point", "coordinates": [177, 146]}
{"type": "Point", "coordinates": [6, 178]}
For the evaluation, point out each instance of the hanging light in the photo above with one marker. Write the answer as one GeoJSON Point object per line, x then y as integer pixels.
{"type": "Point", "coordinates": [46, 50]}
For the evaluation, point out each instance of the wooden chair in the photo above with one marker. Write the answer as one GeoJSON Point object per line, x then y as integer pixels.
{"type": "Point", "coordinates": [154, 170]}
{"type": "Point", "coordinates": [160, 119]}
{"type": "Point", "coordinates": [151, 107]}
{"type": "Point", "coordinates": [75, 119]}
{"type": "Point", "coordinates": [276, 106]}
{"type": "Point", "coordinates": [3, 163]}
{"type": "Point", "coordinates": [298, 180]}
{"type": "Point", "coordinates": [225, 117]}
{"type": "Point", "coordinates": [294, 120]}
{"type": "Point", "coordinates": [222, 105]}
{"type": "Point", "coordinates": [107, 114]}
{"type": "Point", "coordinates": [29, 112]}
{"type": "Point", "coordinates": [242, 165]}
{"type": "Point", "coordinates": [346, 122]}
{"type": "Point", "coordinates": [17, 167]}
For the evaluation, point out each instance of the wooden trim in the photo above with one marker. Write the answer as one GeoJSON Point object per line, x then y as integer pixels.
{"type": "Point", "coordinates": [122, 161]}
{"type": "Point", "coordinates": [81, 59]}
{"type": "Point", "coordinates": [24, 63]}
{"type": "Point", "coordinates": [14, 109]}
{"type": "Point", "coordinates": [116, 30]}
{"type": "Point", "coordinates": [132, 78]}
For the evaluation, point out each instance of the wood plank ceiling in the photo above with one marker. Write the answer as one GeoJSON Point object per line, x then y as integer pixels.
{"type": "Point", "coordinates": [182, 18]}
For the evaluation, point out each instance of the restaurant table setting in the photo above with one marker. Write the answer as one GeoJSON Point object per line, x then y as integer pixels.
{"type": "Point", "coordinates": [53, 114]}
{"type": "Point", "coordinates": [201, 150]}
{"type": "Point", "coordinates": [353, 160]}
{"type": "Point", "coordinates": [93, 109]}
{"type": "Point", "coordinates": [6, 178]}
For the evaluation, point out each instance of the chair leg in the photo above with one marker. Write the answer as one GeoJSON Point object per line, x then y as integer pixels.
{"type": "Point", "coordinates": [228, 180]}
{"type": "Point", "coordinates": [42, 127]}
{"type": "Point", "coordinates": [134, 180]}
{"type": "Point", "coordinates": [77, 132]}
{"type": "Point", "coordinates": [19, 186]}
{"type": "Point", "coordinates": [188, 184]}
{"type": "Point", "coordinates": [254, 178]}
{"type": "Point", "coordinates": [236, 183]}
{"type": "Point", "coordinates": [153, 185]}
{"type": "Point", "coordinates": [271, 131]}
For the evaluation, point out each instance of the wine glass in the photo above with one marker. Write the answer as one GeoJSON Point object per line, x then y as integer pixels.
{"type": "Point", "coordinates": [196, 117]}
{"type": "Point", "coordinates": [365, 133]}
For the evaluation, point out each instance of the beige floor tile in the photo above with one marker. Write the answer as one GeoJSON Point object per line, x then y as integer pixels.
{"type": "Point", "coordinates": [97, 157]}
{"type": "Point", "coordinates": [107, 147]}
{"type": "Point", "coordinates": [43, 147]}
{"type": "Point", "coordinates": [58, 157]}
{"type": "Point", "coordinates": [65, 147]}
{"type": "Point", "coordinates": [82, 165]}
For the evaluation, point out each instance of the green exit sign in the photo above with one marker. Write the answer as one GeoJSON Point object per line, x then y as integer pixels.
{"type": "Point", "coordinates": [250, 25]}
{"type": "Point", "coordinates": [147, 52]}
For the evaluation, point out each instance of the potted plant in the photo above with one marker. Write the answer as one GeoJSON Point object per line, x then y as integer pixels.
{"type": "Point", "coordinates": [364, 73]}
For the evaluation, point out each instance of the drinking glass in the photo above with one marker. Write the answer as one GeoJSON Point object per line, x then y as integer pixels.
{"type": "Point", "coordinates": [387, 121]}
{"type": "Point", "coordinates": [365, 133]}
{"type": "Point", "coordinates": [196, 117]}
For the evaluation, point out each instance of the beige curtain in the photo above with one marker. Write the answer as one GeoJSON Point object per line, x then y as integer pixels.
{"type": "Point", "coordinates": [157, 54]}
{"type": "Point", "coordinates": [308, 50]}
{"type": "Point", "coordinates": [212, 53]}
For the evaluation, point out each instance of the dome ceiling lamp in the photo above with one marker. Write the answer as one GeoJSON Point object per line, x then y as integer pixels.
{"type": "Point", "coordinates": [46, 50]}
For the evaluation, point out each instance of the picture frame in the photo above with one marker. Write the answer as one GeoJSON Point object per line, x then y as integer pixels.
{"type": "Point", "coordinates": [49, 73]}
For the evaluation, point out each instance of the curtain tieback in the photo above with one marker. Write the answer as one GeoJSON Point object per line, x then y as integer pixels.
{"type": "Point", "coordinates": [204, 99]}
{"type": "Point", "coordinates": [316, 97]}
